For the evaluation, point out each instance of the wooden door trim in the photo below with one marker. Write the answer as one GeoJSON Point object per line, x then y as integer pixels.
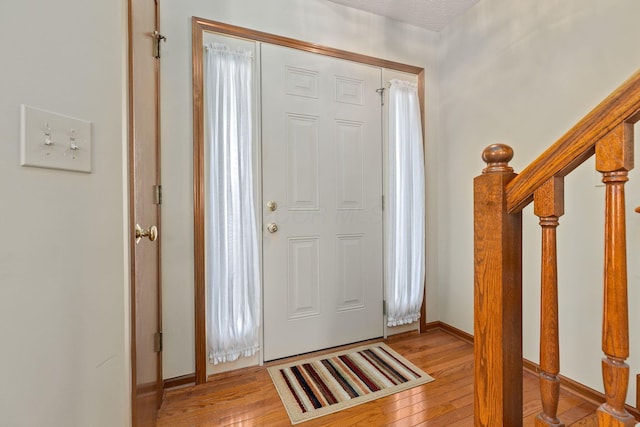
{"type": "Point", "coordinates": [199, 204]}
{"type": "Point", "coordinates": [159, 201]}
{"type": "Point", "coordinates": [198, 28]}
{"type": "Point", "coordinates": [638, 392]}
{"type": "Point", "coordinates": [131, 188]}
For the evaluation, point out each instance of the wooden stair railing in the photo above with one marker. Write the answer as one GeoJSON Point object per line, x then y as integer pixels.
{"type": "Point", "coordinates": [500, 195]}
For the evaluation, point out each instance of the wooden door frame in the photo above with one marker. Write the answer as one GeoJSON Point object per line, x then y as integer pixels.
{"type": "Point", "coordinates": [132, 204]}
{"type": "Point", "coordinates": [198, 27]}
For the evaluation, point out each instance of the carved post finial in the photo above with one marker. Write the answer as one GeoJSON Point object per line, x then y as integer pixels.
{"type": "Point", "coordinates": [497, 158]}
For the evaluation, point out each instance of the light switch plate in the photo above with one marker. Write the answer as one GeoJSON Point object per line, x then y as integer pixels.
{"type": "Point", "coordinates": [54, 141]}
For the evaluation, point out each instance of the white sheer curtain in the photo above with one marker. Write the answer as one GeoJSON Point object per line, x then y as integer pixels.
{"type": "Point", "coordinates": [406, 229]}
{"type": "Point", "coordinates": [232, 265]}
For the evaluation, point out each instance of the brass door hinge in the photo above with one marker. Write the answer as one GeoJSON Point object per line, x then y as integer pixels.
{"type": "Point", "coordinates": [157, 38]}
{"type": "Point", "coordinates": [381, 93]}
{"type": "Point", "coordinates": [157, 342]}
{"type": "Point", "coordinates": [157, 194]}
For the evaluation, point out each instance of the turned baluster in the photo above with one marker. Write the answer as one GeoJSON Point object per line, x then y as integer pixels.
{"type": "Point", "coordinates": [497, 296]}
{"type": "Point", "coordinates": [549, 206]}
{"type": "Point", "coordinates": [614, 158]}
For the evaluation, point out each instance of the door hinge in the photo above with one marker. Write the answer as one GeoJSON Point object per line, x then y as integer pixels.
{"type": "Point", "coordinates": [157, 38]}
{"type": "Point", "coordinates": [381, 92]}
{"type": "Point", "coordinates": [157, 194]}
{"type": "Point", "coordinates": [384, 307]}
{"type": "Point", "coordinates": [383, 202]}
{"type": "Point", "coordinates": [157, 342]}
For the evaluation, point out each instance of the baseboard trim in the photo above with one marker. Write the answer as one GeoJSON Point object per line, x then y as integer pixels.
{"type": "Point", "coordinates": [180, 381]}
{"type": "Point", "coordinates": [568, 384]}
{"type": "Point", "coordinates": [147, 388]}
{"type": "Point", "coordinates": [452, 330]}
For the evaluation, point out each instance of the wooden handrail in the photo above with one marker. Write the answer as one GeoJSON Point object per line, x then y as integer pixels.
{"type": "Point", "coordinates": [578, 144]}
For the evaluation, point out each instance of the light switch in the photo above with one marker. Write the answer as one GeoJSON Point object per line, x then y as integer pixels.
{"type": "Point", "coordinates": [55, 141]}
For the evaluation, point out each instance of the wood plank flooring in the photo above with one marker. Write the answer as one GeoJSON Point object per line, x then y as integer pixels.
{"type": "Point", "coordinates": [247, 397]}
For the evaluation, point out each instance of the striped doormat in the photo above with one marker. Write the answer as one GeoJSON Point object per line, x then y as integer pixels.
{"type": "Point", "coordinates": [321, 385]}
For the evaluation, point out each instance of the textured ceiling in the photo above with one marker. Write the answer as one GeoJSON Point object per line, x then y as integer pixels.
{"type": "Point", "coordinates": [433, 15]}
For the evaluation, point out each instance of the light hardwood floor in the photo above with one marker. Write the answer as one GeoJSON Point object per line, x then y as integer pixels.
{"type": "Point", "coordinates": [248, 398]}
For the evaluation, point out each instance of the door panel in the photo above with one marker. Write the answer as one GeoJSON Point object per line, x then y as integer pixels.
{"type": "Point", "coordinates": [303, 292]}
{"type": "Point", "coordinates": [322, 165]}
{"type": "Point", "coordinates": [350, 260]}
{"type": "Point", "coordinates": [144, 175]}
{"type": "Point", "coordinates": [302, 162]}
{"type": "Point", "coordinates": [350, 154]}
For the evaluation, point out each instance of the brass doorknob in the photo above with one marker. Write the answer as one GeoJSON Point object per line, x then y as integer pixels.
{"type": "Point", "coordinates": [272, 206]}
{"type": "Point", "coordinates": [272, 228]}
{"type": "Point", "coordinates": [638, 209]}
{"type": "Point", "coordinates": [151, 233]}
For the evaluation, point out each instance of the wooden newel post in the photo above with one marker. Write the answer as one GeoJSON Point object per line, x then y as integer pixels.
{"type": "Point", "coordinates": [497, 295]}
{"type": "Point", "coordinates": [614, 158]}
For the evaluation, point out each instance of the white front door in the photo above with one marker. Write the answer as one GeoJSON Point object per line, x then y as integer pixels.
{"type": "Point", "coordinates": [322, 189]}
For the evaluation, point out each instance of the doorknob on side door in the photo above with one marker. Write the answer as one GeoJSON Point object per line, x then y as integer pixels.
{"type": "Point", "coordinates": [151, 233]}
{"type": "Point", "coordinates": [638, 209]}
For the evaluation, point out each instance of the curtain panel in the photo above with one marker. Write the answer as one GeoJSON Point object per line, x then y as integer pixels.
{"type": "Point", "coordinates": [405, 254]}
{"type": "Point", "coordinates": [232, 264]}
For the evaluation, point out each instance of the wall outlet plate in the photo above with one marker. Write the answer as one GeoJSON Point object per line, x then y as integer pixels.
{"type": "Point", "coordinates": [54, 141]}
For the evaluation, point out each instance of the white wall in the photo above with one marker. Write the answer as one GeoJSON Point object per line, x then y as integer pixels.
{"type": "Point", "coordinates": [523, 73]}
{"type": "Point", "coordinates": [314, 21]}
{"type": "Point", "coordinates": [63, 293]}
